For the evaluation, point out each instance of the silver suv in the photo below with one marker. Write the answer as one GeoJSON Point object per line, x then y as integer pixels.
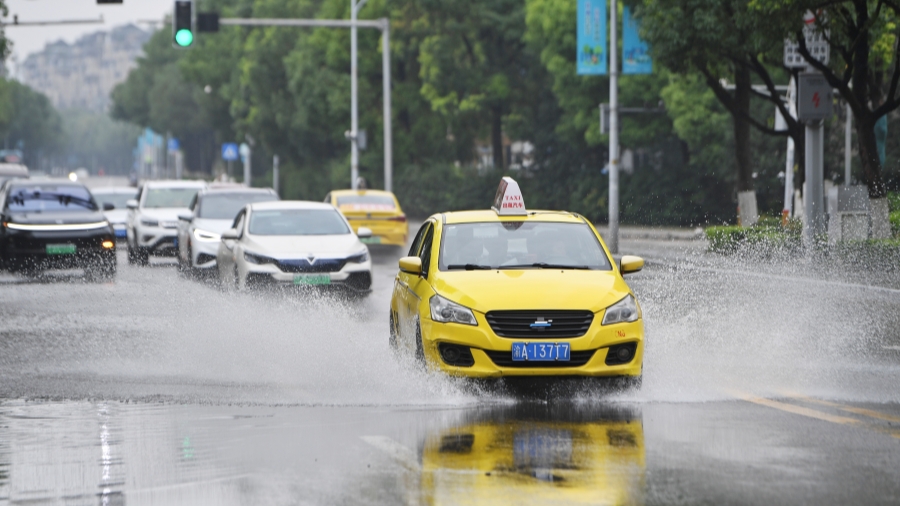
{"type": "Point", "coordinates": [152, 227]}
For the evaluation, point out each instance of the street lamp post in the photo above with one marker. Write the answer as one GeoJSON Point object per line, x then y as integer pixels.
{"type": "Point", "coordinates": [354, 102]}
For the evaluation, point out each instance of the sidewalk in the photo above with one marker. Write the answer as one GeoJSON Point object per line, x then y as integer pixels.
{"type": "Point", "coordinates": [631, 232]}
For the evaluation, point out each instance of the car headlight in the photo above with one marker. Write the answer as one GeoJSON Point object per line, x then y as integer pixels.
{"type": "Point", "coordinates": [359, 257]}
{"type": "Point", "coordinates": [258, 259]}
{"type": "Point", "coordinates": [147, 222]}
{"type": "Point", "coordinates": [626, 310]}
{"type": "Point", "coordinates": [206, 236]}
{"type": "Point", "coordinates": [445, 311]}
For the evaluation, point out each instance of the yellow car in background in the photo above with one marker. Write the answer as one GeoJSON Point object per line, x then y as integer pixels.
{"type": "Point", "coordinates": [377, 210]}
{"type": "Point", "coordinates": [513, 292]}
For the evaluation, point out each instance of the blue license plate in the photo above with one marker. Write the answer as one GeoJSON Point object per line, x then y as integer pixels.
{"type": "Point", "coordinates": [540, 352]}
{"type": "Point", "coordinates": [121, 232]}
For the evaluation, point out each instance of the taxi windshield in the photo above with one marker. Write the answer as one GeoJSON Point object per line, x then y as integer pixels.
{"type": "Point", "coordinates": [366, 202]}
{"type": "Point", "coordinates": [297, 222]}
{"type": "Point", "coordinates": [521, 245]}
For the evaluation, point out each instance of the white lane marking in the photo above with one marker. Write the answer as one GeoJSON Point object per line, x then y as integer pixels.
{"type": "Point", "coordinates": [896, 348]}
{"type": "Point", "coordinates": [395, 450]}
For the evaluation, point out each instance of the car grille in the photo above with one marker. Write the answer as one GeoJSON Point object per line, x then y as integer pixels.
{"type": "Point", "coordinates": [319, 265]}
{"type": "Point", "coordinates": [518, 324]}
{"type": "Point", "coordinates": [504, 359]}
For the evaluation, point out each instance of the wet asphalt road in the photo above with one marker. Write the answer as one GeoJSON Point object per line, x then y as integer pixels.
{"type": "Point", "coordinates": [766, 382]}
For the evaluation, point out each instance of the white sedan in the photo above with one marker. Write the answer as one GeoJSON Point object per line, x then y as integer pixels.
{"type": "Point", "coordinates": [294, 243]}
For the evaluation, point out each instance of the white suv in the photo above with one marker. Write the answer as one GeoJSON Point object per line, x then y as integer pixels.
{"type": "Point", "coordinates": [152, 227]}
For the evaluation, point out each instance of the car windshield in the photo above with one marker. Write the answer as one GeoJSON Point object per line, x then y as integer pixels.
{"type": "Point", "coordinates": [521, 245]}
{"type": "Point", "coordinates": [169, 197]}
{"type": "Point", "coordinates": [367, 202]}
{"type": "Point", "coordinates": [118, 199]}
{"type": "Point", "coordinates": [297, 222]}
{"type": "Point", "coordinates": [41, 198]}
{"type": "Point", "coordinates": [224, 206]}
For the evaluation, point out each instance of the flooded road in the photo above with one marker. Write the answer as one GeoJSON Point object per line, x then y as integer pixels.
{"type": "Point", "coordinates": [763, 383]}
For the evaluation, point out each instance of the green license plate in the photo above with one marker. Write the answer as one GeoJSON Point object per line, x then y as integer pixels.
{"type": "Point", "coordinates": [60, 249]}
{"type": "Point", "coordinates": [312, 279]}
{"type": "Point", "coordinates": [371, 240]}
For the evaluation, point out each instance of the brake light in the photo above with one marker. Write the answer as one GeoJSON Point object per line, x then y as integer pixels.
{"type": "Point", "coordinates": [401, 218]}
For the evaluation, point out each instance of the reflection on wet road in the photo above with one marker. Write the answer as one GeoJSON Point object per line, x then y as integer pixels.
{"type": "Point", "coordinates": [161, 389]}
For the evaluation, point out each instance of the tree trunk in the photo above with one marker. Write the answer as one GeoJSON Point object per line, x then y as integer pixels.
{"type": "Point", "coordinates": [747, 213]}
{"type": "Point", "coordinates": [497, 137]}
{"type": "Point", "coordinates": [868, 154]}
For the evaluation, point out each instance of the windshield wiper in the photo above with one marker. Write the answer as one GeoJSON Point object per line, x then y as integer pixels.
{"type": "Point", "coordinates": [544, 265]}
{"type": "Point", "coordinates": [470, 267]}
{"type": "Point", "coordinates": [63, 198]}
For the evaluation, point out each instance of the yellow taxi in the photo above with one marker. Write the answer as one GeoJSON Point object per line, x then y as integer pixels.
{"type": "Point", "coordinates": [531, 460]}
{"type": "Point", "coordinates": [516, 292]}
{"type": "Point", "coordinates": [377, 210]}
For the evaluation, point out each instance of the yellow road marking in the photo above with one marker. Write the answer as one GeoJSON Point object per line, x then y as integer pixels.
{"type": "Point", "coordinates": [797, 410]}
{"type": "Point", "coordinates": [871, 413]}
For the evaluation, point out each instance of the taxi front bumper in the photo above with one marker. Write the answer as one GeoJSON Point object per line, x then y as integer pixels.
{"type": "Point", "coordinates": [492, 354]}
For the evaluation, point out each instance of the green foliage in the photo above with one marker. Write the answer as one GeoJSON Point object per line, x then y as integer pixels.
{"type": "Point", "coordinates": [730, 238]}
{"type": "Point", "coordinates": [895, 223]}
{"type": "Point", "coordinates": [96, 141]}
{"type": "Point", "coordinates": [29, 121]}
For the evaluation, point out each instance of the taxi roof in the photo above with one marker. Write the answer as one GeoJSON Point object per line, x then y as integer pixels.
{"type": "Point", "coordinates": [487, 216]}
{"type": "Point", "coordinates": [361, 192]}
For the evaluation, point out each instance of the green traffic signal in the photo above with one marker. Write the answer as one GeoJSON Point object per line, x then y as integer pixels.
{"type": "Point", "coordinates": [184, 37]}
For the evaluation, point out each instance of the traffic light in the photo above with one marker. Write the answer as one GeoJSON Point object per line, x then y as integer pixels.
{"type": "Point", "coordinates": [183, 24]}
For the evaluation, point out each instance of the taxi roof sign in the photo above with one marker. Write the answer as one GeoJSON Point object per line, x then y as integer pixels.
{"type": "Point", "coordinates": [508, 201]}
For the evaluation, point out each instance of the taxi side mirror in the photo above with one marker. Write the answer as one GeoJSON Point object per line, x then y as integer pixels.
{"type": "Point", "coordinates": [630, 264]}
{"type": "Point", "coordinates": [411, 265]}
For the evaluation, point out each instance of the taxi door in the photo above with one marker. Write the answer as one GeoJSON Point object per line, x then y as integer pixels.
{"type": "Point", "coordinates": [409, 288]}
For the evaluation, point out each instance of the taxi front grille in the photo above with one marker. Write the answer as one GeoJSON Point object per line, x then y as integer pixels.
{"type": "Point", "coordinates": [319, 265]}
{"type": "Point", "coordinates": [537, 324]}
{"type": "Point", "coordinates": [504, 359]}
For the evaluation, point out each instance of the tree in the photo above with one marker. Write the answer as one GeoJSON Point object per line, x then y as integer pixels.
{"type": "Point", "coordinates": [864, 68]}
{"type": "Point", "coordinates": [716, 38]}
{"type": "Point", "coordinates": [28, 121]}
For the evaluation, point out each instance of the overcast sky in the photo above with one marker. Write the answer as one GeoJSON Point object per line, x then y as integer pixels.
{"type": "Point", "coordinates": [30, 39]}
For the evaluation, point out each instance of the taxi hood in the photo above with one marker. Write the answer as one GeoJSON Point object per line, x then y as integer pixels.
{"type": "Point", "coordinates": [485, 290]}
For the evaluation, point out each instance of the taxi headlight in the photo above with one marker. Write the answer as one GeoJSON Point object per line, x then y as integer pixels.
{"type": "Point", "coordinates": [626, 310]}
{"type": "Point", "coordinates": [206, 236]}
{"type": "Point", "coordinates": [445, 311]}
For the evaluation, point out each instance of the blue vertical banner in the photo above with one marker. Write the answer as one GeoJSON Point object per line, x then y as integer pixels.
{"type": "Point", "coordinates": [592, 19]}
{"type": "Point", "coordinates": [636, 53]}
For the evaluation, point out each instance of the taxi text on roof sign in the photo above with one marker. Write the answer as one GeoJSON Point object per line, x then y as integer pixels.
{"type": "Point", "coordinates": [508, 201]}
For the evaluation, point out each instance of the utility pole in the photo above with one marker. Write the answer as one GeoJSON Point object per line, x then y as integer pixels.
{"type": "Point", "coordinates": [354, 102]}
{"type": "Point", "coordinates": [275, 174]}
{"type": "Point", "coordinates": [612, 241]}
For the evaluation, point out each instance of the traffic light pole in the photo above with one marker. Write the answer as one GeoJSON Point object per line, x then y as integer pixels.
{"type": "Point", "coordinates": [382, 24]}
{"type": "Point", "coordinates": [612, 241]}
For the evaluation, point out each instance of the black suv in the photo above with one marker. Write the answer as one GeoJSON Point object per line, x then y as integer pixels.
{"type": "Point", "coordinates": [54, 225]}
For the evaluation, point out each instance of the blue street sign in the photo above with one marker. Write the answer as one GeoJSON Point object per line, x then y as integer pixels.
{"type": "Point", "coordinates": [173, 145]}
{"type": "Point", "coordinates": [635, 51]}
{"type": "Point", "coordinates": [229, 151]}
{"type": "Point", "coordinates": [591, 38]}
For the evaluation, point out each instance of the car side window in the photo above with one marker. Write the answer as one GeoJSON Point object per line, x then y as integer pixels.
{"type": "Point", "coordinates": [425, 254]}
{"type": "Point", "coordinates": [239, 223]}
{"type": "Point", "coordinates": [417, 242]}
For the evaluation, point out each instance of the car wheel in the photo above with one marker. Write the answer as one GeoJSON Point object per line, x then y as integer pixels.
{"type": "Point", "coordinates": [420, 348]}
{"type": "Point", "coordinates": [236, 277]}
{"type": "Point", "coordinates": [132, 257]}
{"type": "Point", "coordinates": [143, 257]}
{"type": "Point", "coordinates": [392, 338]}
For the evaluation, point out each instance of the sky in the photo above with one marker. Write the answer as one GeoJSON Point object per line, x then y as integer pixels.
{"type": "Point", "coordinates": [31, 39]}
